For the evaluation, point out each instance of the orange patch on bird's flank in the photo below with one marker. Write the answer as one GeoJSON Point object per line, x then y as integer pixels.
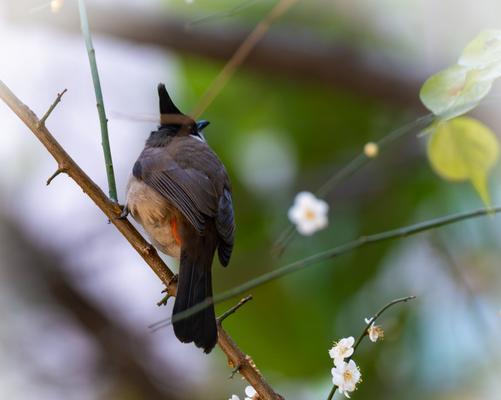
{"type": "Point", "coordinates": [175, 233]}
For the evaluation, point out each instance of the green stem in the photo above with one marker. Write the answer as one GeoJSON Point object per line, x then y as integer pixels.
{"type": "Point", "coordinates": [364, 332]}
{"type": "Point", "coordinates": [331, 393]}
{"type": "Point", "coordinates": [348, 170]}
{"type": "Point", "coordinates": [333, 253]}
{"type": "Point", "coordinates": [84, 23]}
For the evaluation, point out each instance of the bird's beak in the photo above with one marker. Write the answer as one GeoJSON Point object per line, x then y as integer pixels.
{"type": "Point", "coordinates": [202, 124]}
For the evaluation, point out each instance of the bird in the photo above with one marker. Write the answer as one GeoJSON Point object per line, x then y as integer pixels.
{"type": "Point", "coordinates": [180, 192]}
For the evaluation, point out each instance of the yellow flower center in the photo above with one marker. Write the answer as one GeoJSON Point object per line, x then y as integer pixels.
{"type": "Point", "coordinates": [309, 215]}
{"type": "Point", "coordinates": [347, 375]}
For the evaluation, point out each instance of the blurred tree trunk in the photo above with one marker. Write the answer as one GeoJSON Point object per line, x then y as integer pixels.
{"type": "Point", "coordinates": [123, 357]}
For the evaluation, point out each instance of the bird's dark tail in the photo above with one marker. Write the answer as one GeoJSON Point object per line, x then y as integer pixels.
{"type": "Point", "coordinates": [194, 286]}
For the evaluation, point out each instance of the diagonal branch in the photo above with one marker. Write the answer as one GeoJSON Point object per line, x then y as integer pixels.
{"type": "Point", "coordinates": [334, 252]}
{"type": "Point", "coordinates": [236, 357]}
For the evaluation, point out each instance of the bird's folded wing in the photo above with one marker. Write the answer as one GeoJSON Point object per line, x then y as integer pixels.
{"type": "Point", "coordinates": [189, 190]}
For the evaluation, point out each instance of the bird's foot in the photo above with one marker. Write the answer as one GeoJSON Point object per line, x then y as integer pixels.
{"type": "Point", "coordinates": [172, 280]}
{"type": "Point", "coordinates": [125, 212]}
{"type": "Point", "coordinates": [163, 302]}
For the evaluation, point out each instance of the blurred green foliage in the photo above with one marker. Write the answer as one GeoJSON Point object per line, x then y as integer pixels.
{"type": "Point", "coordinates": [291, 323]}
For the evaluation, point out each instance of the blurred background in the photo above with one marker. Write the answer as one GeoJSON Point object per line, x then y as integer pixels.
{"type": "Point", "coordinates": [76, 300]}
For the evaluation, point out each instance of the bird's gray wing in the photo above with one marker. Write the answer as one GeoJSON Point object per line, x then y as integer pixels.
{"type": "Point", "coordinates": [187, 189]}
{"type": "Point", "coordinates": [225, 225]}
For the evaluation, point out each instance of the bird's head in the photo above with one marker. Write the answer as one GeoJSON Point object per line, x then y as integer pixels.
{"type": "Point", "coordinates": [173, 121]}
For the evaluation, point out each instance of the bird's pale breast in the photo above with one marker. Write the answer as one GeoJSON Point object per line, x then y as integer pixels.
{"type": "Point", "coordinates": [154, 213]}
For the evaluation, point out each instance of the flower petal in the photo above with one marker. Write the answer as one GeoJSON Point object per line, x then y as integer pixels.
{"type": "Point", "coordinates": [304, 198]}
{"type": "Point", "coordinates": [306, 228]}
{"type": "Point", "coordinates": [250, 391]}
{"type": "Point", "coordinates": [295, 214]}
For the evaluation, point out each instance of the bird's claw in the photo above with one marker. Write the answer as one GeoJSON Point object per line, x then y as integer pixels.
{"type": "Point", "coordinates": [163, 302]}
{"type": "Point", "coordinates": [124, 214]}
{"type": "Point", "coordinates": [172, 280]}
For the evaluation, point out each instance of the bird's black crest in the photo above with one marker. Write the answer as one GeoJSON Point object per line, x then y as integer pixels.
{"type": "Point", "coordinates": [167, 106]}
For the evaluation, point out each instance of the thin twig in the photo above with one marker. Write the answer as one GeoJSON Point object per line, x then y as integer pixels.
{"type": "Point", "coordinates": [233, 309]}
{"type": "Point", "coordinates": [161, 324]}
{"type": "Point", "coordinates": [333, 253]}
{"type": "Point", "coordinates": [240, 55]}
{"type": "Point", "coordinates": [51, 108]}
{"type": "Point", "coordinates": [353, 166]}
{"type": "Point", "coordinates": [234, 372]}
{"type": "Point", "coordinates": [376, 317]}
{"type": "Point", "coordinates": [58, 171]}
{"type": "Point", "coordinates": [105, 141]}
{"type": "Point", "coordinates": [366, 329]}
{"type": "Point", "coordinates": [111, 209]}
{"type": "Point", "coordinates": [348, 170]}
{"type": "Point", "coordinates": [220, 15]}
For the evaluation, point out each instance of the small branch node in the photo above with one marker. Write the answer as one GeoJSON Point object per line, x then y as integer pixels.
{"type": "Point", "coordinates": [235, 371]}
{"type": "Point", "coordinates": [124, 211]}
{"type": "Point", "coordinates": [252, 364]}
{"type": "Point", "coordinates": [172, 280]}
{"type": "Point", "coordinates": [147, 250]}
{"type": "Point", "coordinates": [51, 108]}
{"type": "Point", "coordinates": [60, 170]}
{"type": "Point", "coordinates": [233, 309]}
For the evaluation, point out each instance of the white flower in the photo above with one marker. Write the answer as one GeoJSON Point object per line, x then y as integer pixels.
{"type": "Point", "coordinates": [56, 5]}
{"type": "Point", "coordinates": [346, 376]}
{"type": "Point", "coordinates": [250, 392]}
{"type": "Point", "coordinates": [234, 397]}
{"type": "Point", "coordinates": [375, 332]}
{"type": "Point", "coordinates": [308, 213]}
{"type": "Point", "coordinates": [342, 350]}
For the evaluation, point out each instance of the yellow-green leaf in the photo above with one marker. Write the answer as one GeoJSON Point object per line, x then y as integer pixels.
{"type": "Point", "coordinates": [464, 149]}
{"type": "Point", "coordinates": [484, 53]}
{"type": "Point", "coordinates": [454, 91]}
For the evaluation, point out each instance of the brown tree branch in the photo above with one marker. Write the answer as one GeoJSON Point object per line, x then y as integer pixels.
{"type": "Point", "coordinates": [236, 357]}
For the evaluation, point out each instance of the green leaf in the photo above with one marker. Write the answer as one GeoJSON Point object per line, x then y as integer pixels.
{"type": "Point", "coordinates": [454, 91]}
{"type": "Point", "coordinates": [464, 149]}
{"type": "Point", "coordinates": [484, 53]}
